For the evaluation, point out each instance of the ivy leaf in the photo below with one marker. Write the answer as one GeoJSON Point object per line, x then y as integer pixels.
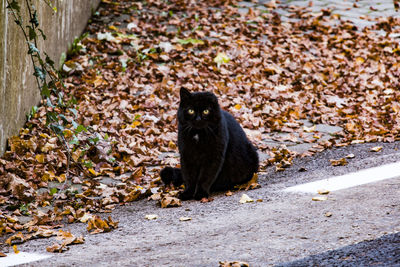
{"type": "Point", "coordinates": [81, 128]}
{"type": "Point", "coordinates": [53, 191]}
{"type": "Point", "coordinates": [32, 48]}
{"type": "Point", "coordinates": [74, 141]}
{"type": "Point", "coordinates": [45, 91]}
{"type": "Point", "coordinates": [14, 5]}
{"type": "Point", "coordinates": [40, 73]}
{"type": "Point", "coordinates": [32, 33]}
{"type": "Point", "coordinates": [49, 60]}
{"type": "Point", "coordinates": [74, 111]}
{"type": "Point", "coordinates": [64, 119]}
{"type": "Point", "coordinates": [34, 20]}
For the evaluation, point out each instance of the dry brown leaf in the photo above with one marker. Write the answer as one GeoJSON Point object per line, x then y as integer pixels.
{"type": "Point", "coordinates": [168, 202]}
{"type": "Point", "coordinates": [233, 264]}
{"type": "Point", "coordinates": [338, 162]}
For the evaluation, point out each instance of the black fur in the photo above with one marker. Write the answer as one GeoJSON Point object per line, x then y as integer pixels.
{"type": "Point", "coordinates": [215, 152]}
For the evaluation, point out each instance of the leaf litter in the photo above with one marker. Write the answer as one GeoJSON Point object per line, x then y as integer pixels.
{"type": "Point", "coordinates": [270, 73]}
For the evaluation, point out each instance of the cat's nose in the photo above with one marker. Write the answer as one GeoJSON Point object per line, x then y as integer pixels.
{"type": "Point", "coordinates": [198, 118]}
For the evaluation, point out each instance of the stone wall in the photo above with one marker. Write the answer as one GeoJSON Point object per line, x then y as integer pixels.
{"type": "Point", "coordinates": [18, 89]}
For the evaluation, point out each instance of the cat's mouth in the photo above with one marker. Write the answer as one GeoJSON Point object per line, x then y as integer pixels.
{"type": "Point", "coordinates": [199, 125]}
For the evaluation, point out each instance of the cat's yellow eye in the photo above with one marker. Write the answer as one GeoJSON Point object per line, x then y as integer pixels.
{"type": "Point", "coordinates": [206, 112]}
{"type": "Point", "coordinates": [190, 111]}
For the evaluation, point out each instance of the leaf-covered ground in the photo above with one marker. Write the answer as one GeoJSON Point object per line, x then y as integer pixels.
{"type": "Point", "coordinates": [272, 74]}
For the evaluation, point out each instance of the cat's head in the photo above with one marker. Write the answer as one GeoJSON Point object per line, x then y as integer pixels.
{"type": "Point", "coordinates": [199, 110]}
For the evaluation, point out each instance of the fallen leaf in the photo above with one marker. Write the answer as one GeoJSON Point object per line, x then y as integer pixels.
{"type": "Point", "coordinates": [338, 162]}
{"type": "Point", "coordinates": [319, 198]}
{"type": "Point", "coordinates": [57, 248]}
{"type": "Point", "coordinates": [237, 106]}
{"type": "Point", "coordinates": [323, 191]}
{"type": "Point", "coordinates": [16, 251]}
{"type": "Point", "coordinates": [228, 194]}
{"type": "Point", "coordinates": [206, 199]}
{"type": "Point", "coordinates": [86, 216]}
{"type": "Point", "coordinates": [250, 185]}
{"type": "Point", "coordinates": [310, 129]}
{"type": "Point", "coordinates": [3, 254]}
{"type": "Point", "coordinates": [97, 225]}
{"type": "Point", "coordinates": [245, 199]}
{"type": "Point", "coordinates": [40, 158]}
{"type": "Point", "coordinates": [221, 58]}
{"type": "Point", "coordinates": [302, 169]}
{"type": "Point", "coordinates": [168, 202]}
{"type": "Point", "coordinates": [350, 156]}
{"type": "Point", "coordinates": [151, 216]}
{"type": "Point", "coordinates": [19, 237]}
{"type": "Point", "coordinates": [376, 149]}
{"type": "Point", "coordinates": [233, 264]}
{"type": "Point", "coordinates": [182, 219]}
{"type": "Point", "coordinates": [328, 214]}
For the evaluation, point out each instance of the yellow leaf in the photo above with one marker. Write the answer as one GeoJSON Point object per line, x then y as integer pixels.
{"type": "Point", "coordinates": [40, 158]}
{"type": "Point", "coordinates": [16, 251]}
{"type": "Point", "coordinates": [319, 198]}
{"type": "Point", "coordinates": [237, 106]}
{"type": "Point", "coordinates": [44, 135]}
{"type": "Point", "coordinates": [68, 133]}
{"type": "Point", "coordinates": [184, 219]}
{"type": "Point", "coordinates": [171, 145]}
{"type": "Point", "coordinates": [93, 172]}
{"type": "Point", "coordinates": [48, 176]}
{"type": "Point", "coordinates": [135, 123]}
{"type": "Point", "coordinates": [113, 28]}
{"type": "Point", "coordinates": [360, 60]}
{"type": "Point", "coordinates": [76, 154]}
{"type": "Point", "coordinates": [221, 58]}
{"type": "Point", "coordinates": [376, 149]}
{"type": "Point", "coordinates": [61, 178]}
{"type": "Point", "coordinates": [323, 191]}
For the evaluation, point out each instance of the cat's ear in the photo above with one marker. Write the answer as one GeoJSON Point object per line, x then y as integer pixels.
{"type": "Point", "coordinates": [184, 93]}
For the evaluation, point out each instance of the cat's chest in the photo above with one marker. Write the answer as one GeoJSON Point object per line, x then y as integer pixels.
{"type": "Point", "coordinates": [196, 138]}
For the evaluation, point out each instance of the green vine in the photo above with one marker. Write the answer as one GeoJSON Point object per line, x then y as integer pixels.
{"type": "Point", "coordinates": [48, 79]}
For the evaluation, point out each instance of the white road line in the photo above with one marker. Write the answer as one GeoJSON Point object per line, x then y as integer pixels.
{"type": "Point", "coordinates": [350, 180]}
{"type": "Point", "coordinates": [13, 259]}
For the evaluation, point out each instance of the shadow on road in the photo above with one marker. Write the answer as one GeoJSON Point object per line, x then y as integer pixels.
{"type": "Point", "coordinates": [384, 251]}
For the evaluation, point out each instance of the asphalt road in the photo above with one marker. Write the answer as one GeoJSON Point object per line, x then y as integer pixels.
{"type": "Point", "coordinates": [285, 229]}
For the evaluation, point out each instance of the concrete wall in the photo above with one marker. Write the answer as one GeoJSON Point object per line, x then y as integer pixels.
{"type": "Point", "coordinates": [18, 89]}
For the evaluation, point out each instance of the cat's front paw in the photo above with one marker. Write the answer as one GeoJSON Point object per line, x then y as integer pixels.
{"type": "Point", "coordinates": [200, 194]}
{"type": "Point", "coordinates": [186, 195]}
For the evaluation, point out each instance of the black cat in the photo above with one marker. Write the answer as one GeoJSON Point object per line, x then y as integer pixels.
{"type": "Point", "coordinates": [215, 152]}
